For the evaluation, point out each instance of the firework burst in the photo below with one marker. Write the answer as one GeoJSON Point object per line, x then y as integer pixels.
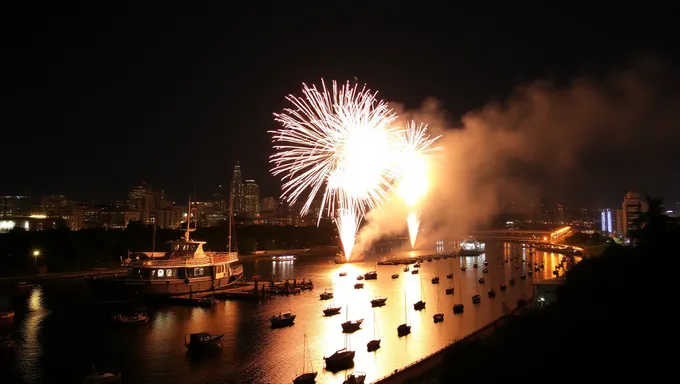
{"type": "Point", "coordinates": [416, 148]}
{"type": "Point", "coordinates": [336, 143]}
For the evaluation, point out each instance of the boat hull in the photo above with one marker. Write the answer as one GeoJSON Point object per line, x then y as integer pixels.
{"type": "Point", "coordinates": [131, 289]}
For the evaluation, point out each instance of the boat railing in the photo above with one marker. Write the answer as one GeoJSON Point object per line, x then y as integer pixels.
{"type": "Point", "coordinates": [212, 257]}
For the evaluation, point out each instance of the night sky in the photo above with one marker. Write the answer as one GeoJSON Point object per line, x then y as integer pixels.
{"type": "Point", "coordinates": [100, 96]}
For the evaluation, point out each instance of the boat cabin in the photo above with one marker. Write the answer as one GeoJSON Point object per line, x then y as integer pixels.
{"type": "Point", "coordinates": [200, 337]}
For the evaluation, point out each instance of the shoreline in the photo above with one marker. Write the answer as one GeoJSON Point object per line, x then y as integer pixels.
{"type": "Point", "coordinates": [60, 275]}
{"type": "Point", "coordinates": [430, 362]}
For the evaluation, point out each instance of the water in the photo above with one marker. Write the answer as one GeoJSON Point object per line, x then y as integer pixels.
{"type": "Point", "coordinates": [61, 330]}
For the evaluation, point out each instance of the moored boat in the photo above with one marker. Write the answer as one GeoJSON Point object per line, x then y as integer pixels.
{"type": "Point", "coordinates": [378, 301]}
{"type": "Point", "coordinates": [107, 377]}
{"type": "Point", "coordinates": [203, 341]}
{"type": "Point", "coordinates": [185, 269]}
{"type": "Point", "coordinates": [283, 319]}
{"type": "Point", "coordinates": [6, 314]}
{"type": "Point", "coordinates": [355, 378]}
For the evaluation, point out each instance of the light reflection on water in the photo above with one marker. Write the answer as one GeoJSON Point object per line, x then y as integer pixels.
{"type": "Point", "coordinates": [253, 352]}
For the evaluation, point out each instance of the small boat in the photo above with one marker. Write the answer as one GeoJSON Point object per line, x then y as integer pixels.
{"type": "Point", "coordinates": [7, 314]}
{"type": "Point", "coordinates": [439, 316]}
{"type": "Point", "coordinates": [435, 280]}
{"type": "Point", "coordinates": [414, 272]}
{"type": "Point", "coordinates": [6, 343]}
{"type": "Point", "coordinates": [476, 299]}
{"type": "Point", "coordinates": [458, 308]}
{"type": "Point", "coordinates": [449, 291]}
{"type": "Point", "coordinates": [491, 293]}
{"type": "Point", "coordinates": [360, 277]}
{"type": "Point", "coordinates": [395, 276]}
{"type": "Point", "coordinates": [463, 268]}
{"type": "Point", "coordinates": [420, 304]}
{"type": "Point", "coordinates": [511, 282]}
{"type": "Point", "coordinates": [503, 287]}
{"type": "Point", "coordinates": [371, 275]}
{"type": "Point", "coordinates": [404, 329]}
{"type": "Point", "coordinates": [449, 275]}
{"type": "Point", "coordinates": [135, 318]}
{"type": "Point", "coordinates": [355, 378]}
{"type": "Point", "coordinates": [378, 301]}
{"type": "Point", "coordinates": [307, 377]}
{"type": "Point", "coordinates": [283, 319]}
{"type": "Point", "coordinates": [25, 285]}
{"type": "Point", "coordinates": [406, 269]}
{"type": "Point", "coordinates": [429, 259]}
{"type": "Point", "coordinates": [358, 285]}
{"type": "Point", "coordinates": [203, 341]}
{"type": "Point", "coordinates": [486, 262]}
{"type": "Point", "coordinates": [374, 344]}
{"type": "Point", "coordinates": [340, 359]}
{"type": "Point", "coordinates": [96, 377]}
{"type": "Point", "coordinates": [475, 265]}
{"type": "Point", "coordinates": [350, 326]}
{"type": "Point", "coordinates": [481, 280]}
{"type": "Point", "coordinates": [523, 276]}
{"type": "Point", "coordinates": [341, 274]}
{"type": "Point", "coordinates": [485, 270]}
{"type": "Point", "coordinates": [326, 295]}
{"type": "Point", "coordinates": [330, 311]}
{"type": "Point", "coordinates": [416, 265]}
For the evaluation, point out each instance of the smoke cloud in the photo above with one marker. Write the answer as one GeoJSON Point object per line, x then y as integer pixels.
{"type": "Point", "coordinates": [546, 140]}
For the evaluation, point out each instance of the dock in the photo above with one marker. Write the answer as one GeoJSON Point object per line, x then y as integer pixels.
{"type": "Point", "coordinates": [257, 290]}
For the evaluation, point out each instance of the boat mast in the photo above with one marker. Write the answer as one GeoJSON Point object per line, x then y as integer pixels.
{"type": "Point", "coordinates": [186, 233]}
{"type": "Point", "coordinates": [231, 215]}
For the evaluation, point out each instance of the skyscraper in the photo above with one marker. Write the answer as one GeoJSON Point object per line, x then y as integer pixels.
{"type": "Point", "coordinates": [237, 190]}
{"type": "Point", "coordinates": [251, 198]}
{"type": "Point", "coordinates": [631, 208]}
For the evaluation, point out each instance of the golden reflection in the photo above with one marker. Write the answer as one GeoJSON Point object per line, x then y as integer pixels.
{"type": "Point", "coordinates": [35, 300]}
{"type": "Point", "coordinates": [283, 270]}
{"type": "Point", "coordinates": [30, 348]}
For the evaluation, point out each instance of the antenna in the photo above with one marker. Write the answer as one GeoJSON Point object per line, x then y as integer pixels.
{"type": "Point", "coordinates": [186, 233]}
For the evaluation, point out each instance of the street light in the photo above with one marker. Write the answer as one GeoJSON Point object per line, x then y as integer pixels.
{"type": "Point", "coordinates": [36, 253]}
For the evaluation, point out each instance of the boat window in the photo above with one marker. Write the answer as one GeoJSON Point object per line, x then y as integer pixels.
{"type": "Point", "coordinates": [168, 273]}
{"type": "Point", "coordinates": [161, 273]}
{"type": "Point", "coordinates": [196, 271]}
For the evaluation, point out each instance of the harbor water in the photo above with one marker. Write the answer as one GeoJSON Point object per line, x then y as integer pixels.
{"type": "Point", "coordinates": [61, 330]}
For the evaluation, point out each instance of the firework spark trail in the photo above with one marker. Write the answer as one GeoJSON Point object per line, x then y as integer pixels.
{"type": "Point", "coordinates": [338, 142]}
{"type": "Point", "coordinates": [414, 161]}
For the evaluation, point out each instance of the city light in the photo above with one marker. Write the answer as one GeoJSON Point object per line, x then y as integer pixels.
{"type": "Point", "coordinates": [36, 253]}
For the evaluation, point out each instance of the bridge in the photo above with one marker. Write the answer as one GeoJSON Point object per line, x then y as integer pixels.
{"type": "Point", "coordinates": [552, 236]}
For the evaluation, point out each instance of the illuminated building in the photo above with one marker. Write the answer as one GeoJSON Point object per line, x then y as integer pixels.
{"type": "Point", "coordinates": [606, 221]}
{"type": "Point", "coordinates": [15, 206]}
{"type": "Point", "coordinates": [237, 190]}
{"type": "Point", "coordinates": [630, 211]}
{"type": "Point", "coordinates": [251, 198]}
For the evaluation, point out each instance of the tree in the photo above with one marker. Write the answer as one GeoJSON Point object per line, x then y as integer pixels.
{"type": "Point", "coordinates": [655, 229]}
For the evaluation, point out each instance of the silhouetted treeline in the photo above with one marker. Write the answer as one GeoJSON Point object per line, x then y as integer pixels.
{"type": "Point", "coordinates": [611, 321]}
{"type": "Point", "coordinates": [62, 249]}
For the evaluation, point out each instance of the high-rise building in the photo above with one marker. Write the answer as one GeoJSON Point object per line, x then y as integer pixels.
{"type": "Point", "coordinates": [55, 206]}
{"type": "Point", "coordinates": [141, 199]}
{"type": "Point", "coordinates": [237, 190]}
{"type": "Point", "coordinates": [631, 208]}
{"type": "Point", "coordinates": [606, 224]}
{"type": "Point", "coordinates": [559, 213]}
{"type": "Point", "coordinates": [221, 199]}
{"type": "Point", "coordinates": [251, 198]}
